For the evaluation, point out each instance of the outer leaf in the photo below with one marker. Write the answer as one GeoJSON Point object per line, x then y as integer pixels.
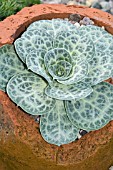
{"type": "Point", "coordinates": [52, 26]}
{"type": "Point", "coordinates": [42, 24]}
{"type": "Point", "coordinates": [56, 128]}
{"type": "Point", "coordinates": [102, 39]}
{"type": "Point", "coordinates": [62, 25]}
{"type": "Point", "coordinates": [100, 68]}
{"type": "Point", "coordinates": [10, 65]}
{"type": "Point", "coordinates": [35, 62]}
{"type": "Point", "coordinates": [27, 91]}
{"type": "Point", "coordinates": [32, 40]}
{"type": "Point", "coordinates": [78, 46]}
{"type": "Point", "coordinates": [94, 111]}
{"type": "Point", "coordinates": [20, 46]}
{"type": "Point", "coordinates": [70, 92]}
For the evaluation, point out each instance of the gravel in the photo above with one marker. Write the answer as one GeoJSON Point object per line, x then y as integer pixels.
{"type": "Point", "coordinates": [105, 5]}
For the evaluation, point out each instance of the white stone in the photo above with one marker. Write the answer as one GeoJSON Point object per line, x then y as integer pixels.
{"type": "Point", "coordinates": [51, 1]}
{"type": "Point", "coordinates": [71, 3]}
{"type": "Point", "coordinates": [77, 24]}
{"type": "Point", "coordinates": [111, 168]}
{"type": "Point", "coordinates": [103, 27]}
{"type": "Point", "coordinates": [89, 2]}
{"type": "Point", "coordinates": [66, 19]}
{"type": "Point", "coordinates": [105, 5]}
{"type": "Point", "coordinates": [79, 136]}
{"type": "Point", "coordinates": [64, 1]}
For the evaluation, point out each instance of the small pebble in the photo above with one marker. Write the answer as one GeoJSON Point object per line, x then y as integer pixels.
{"type": "Point", "coordinates": [103, 27]}
{"type": "Point", "coordinates": [64, 1]}
{"type": "Point", "coordinates": [71, 3]}
{"type": "Point", "coordinates": [111, 168]}
{"type": "Point", "coordinates": [105, 5]}
{"type": "Point", "coordinates": [36, 118]}
{"type": "Point", "coordinates": [82, 132]}
{"type": "Point", "coordinates": [86, 21]}
{"type": "Point", "coordinates": [66, 19]}
{"type": "Point", "coordinates": [111, 11]}
{"type": "Point", "coordinates": [51, 1]}
{"type": "Point", "coordinates": [77, 24]}
{"type": "Point", "coordinates": [96, 5]}
{"type": "Point", "coordinates": [89, 2]}
{"type": "Point", "coordinates": [79, 136]}
{"type": "Point", "coordinates": [75, 17]}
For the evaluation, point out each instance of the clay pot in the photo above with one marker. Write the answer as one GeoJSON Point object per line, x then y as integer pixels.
{"type": "Point", "coordinates": [21, 145]}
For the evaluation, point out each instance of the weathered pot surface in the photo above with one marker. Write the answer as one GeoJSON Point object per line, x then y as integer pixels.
{"type": "Point", "coordinates": [21, 145]}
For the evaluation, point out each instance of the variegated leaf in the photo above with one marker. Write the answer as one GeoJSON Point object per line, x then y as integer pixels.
{"type": "Point", "coordinates": [78, 46]}
{"type": "Point", "coordinates": [27, 91]}
{"type": "Point", "coordinates": [102, 39]}
{"type": "Point", "coordinates": [100, 68]}
{"type": "Point", "coordinates": [10, 65]}
{"type": "Point", "coordinates": [52, 26]}
{"type": "Point", "coordinates": [59, 63]}
{"type": "Point", "coordinates": [35, 62]}
{"type": "Point", "coordinates": [33, 40]}
{"type": "Point", "coordinates": [94, 111]}
{"type": "Point", "coordinates": [55, 126]}
{"type": "Point", "coordinates": [68, 92]}
{"type": "Point", "coordinates": [79, 71]}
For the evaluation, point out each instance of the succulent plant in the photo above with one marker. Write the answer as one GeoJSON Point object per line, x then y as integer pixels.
{"type": "Point", "coordinates": [57, 71]}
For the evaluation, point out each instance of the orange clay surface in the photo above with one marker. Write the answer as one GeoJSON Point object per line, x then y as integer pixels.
{"type": "Point", "coordinates": [21, 145]}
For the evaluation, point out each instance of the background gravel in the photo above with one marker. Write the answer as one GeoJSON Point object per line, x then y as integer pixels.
{"type": "Point", "coordinates": [105, 5]}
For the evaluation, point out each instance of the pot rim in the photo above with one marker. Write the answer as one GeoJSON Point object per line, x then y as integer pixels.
{"type": "Point", "coordinates": [14, 25]}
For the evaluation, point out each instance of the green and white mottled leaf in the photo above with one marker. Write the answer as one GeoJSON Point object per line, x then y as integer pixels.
{"type": "Point", "coordinates": [80, 70]}
{"type": "Point", "coordinates": [102, 39]}
{"type": "Point", "coordinates": [33, 40]}
{"type": "Point", "coordinates": [100, 68]}
{"type": "Point", "coordinates": [78, 46]}
{"type": "Point", "coordinates": [59, 63]}
{"type": "Point", "coordinates": [35, 62]}
{"type": "Point", "coordinates": [63, 92]}
{"type": "Point", "coordinates": [27, 91]}
{"type": "Point", "coordinates": [20, 47]}
{"type": "Point", "coordinates": [61, 70]}
{"type": "Point", "coordinates": [62, 25]}
{"type": "Point", "coordinates": [42, 24]}
{"type": "Point", "coordinates": [10, 65]}
{"type": "Point", "coordinates": [52, 26]}
{"type": "Point", "coordinates": [94, 111]}
{"type": "Point", "coordinates": [56, 54]}
{"type": "Point", "coordinates": [55, 126]}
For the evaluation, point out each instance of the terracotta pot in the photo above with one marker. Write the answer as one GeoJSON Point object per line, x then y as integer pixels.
{"type": "Point", "coordinates": [21, 145]}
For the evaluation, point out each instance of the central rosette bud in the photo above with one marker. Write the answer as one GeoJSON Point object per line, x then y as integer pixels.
{"type": "Point", "coordinates": [58, 63]}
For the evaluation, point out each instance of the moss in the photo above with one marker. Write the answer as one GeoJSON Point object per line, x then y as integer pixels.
{"type": "Point", "coordinates": [10, 7]}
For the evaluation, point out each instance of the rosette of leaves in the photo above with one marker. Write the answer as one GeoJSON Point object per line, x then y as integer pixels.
{"type": "Point", "coordinates": [57, 71]}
